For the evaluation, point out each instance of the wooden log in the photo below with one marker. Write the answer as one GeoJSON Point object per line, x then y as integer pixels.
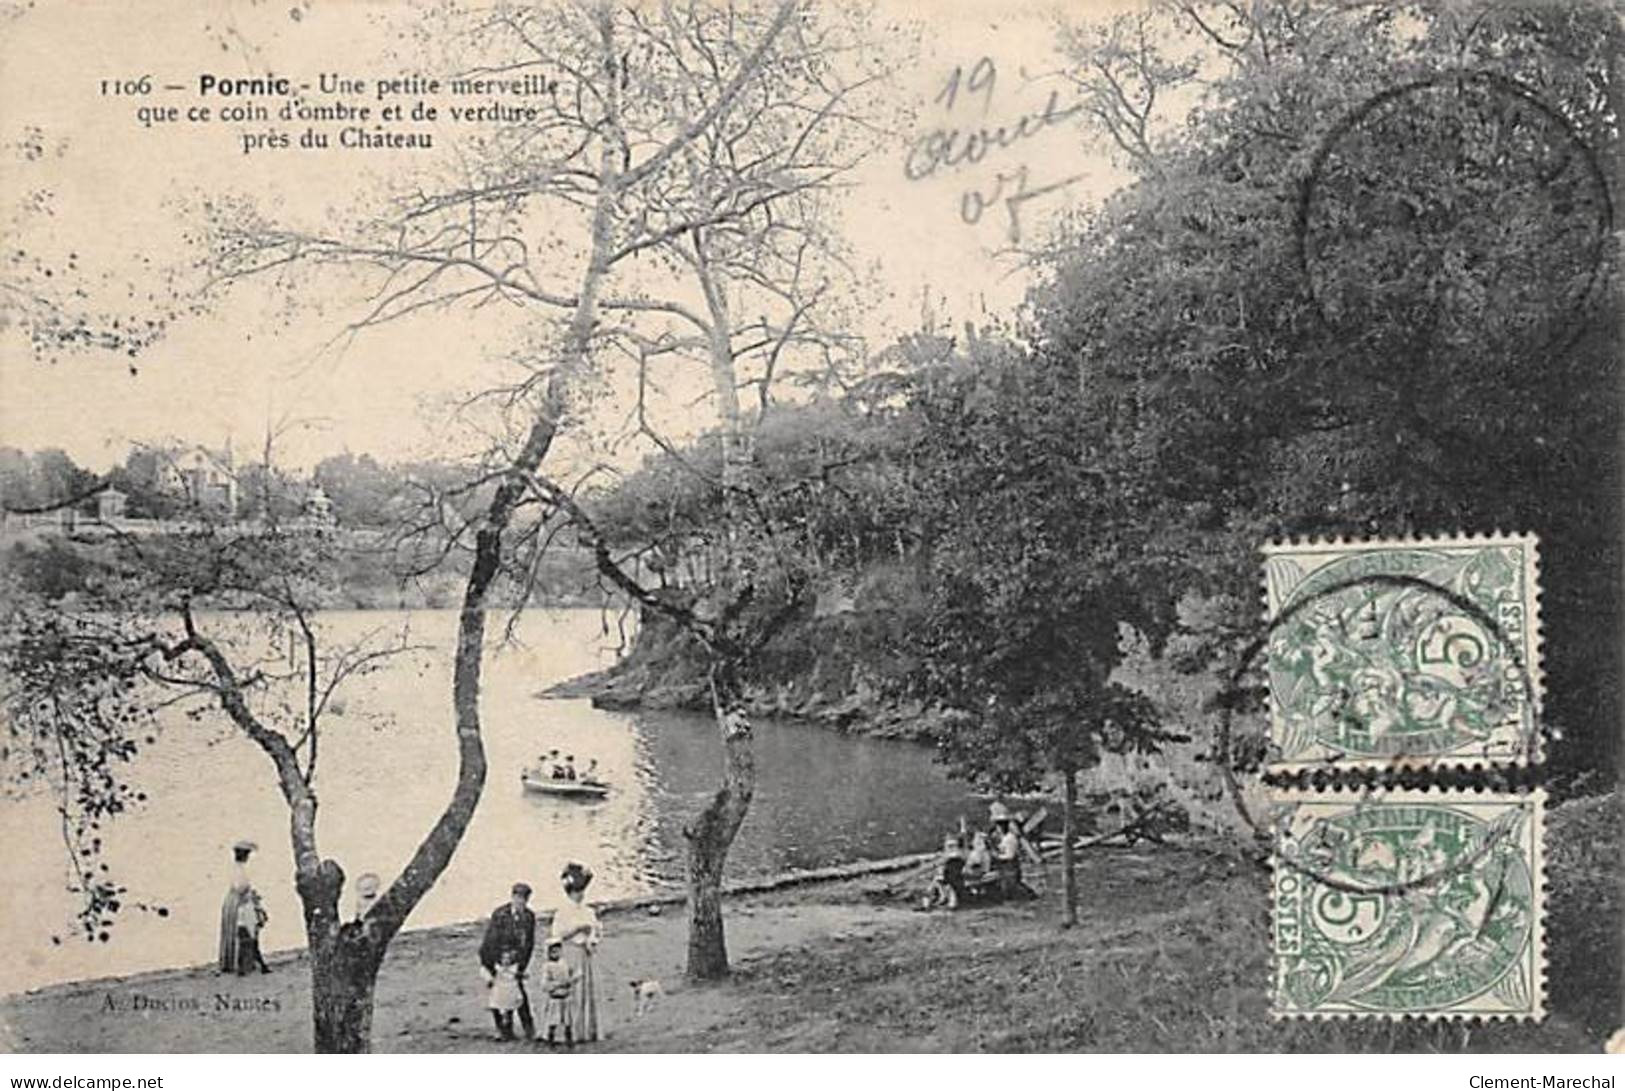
{"type": "Point", "coordinates": [781, 881]}
{"type": "Point", "coordinates": [1136, 827]}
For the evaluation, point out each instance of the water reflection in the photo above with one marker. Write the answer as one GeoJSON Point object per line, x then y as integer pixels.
{"type": "Point", "coordinates": [388, 766]}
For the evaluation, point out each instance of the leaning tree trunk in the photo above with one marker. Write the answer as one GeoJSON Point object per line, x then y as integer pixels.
{"type": "Point", "coordinates": [1069, 836]}
{"type": "Point", "coordinates": [712, 833]}
{"type": "Point", "coordinates": [345, 957]}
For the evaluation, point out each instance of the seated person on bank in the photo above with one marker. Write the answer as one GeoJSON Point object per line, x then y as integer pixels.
{"type": "Point", "coordinates": [979, 863]}
{"type": "Point", "coordinates": [1007, 856]}
{"type": "Point", "coordinates": [948, 888]}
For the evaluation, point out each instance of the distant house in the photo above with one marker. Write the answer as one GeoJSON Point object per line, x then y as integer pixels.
{"type": "Point", "coordinates": [318, 507]}
{"type": "Point", "coordinates": [205, 477]}
{"type": "Point", "coordinates": [110, 505]}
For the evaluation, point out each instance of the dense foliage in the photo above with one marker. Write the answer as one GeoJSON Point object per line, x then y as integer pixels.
{"type": "Point", "coordinates": [1363, 288]}
{"type": "Point", "coordinates": [1364, 292]}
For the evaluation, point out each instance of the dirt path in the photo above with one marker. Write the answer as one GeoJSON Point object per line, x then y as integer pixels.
{"type": "Point", "coordinates": [430, 998]}
{"type": "Point", "coordinates": [1171, 955]}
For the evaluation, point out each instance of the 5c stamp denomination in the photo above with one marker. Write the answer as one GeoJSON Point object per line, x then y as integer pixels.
{"type": "Point", "coordinates": [1408, 903]}
{"type": "Point", "coordinates": [1419, 653]}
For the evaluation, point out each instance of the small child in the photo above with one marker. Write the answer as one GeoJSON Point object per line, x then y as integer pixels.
{"type": "Point", "coordinates": [557, 984]}
{"type": "Point", "coordinates": [504, 995]}
{"type": "Point", "coordinates": [950, 876]}
{"type": "Point", "coordinates": [251, 918]}
{"type": "Point", "coordinates": [980, 860]}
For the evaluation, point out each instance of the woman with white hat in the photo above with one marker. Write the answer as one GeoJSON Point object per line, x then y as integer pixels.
{"type": "Point", "coordinates": [1006, 839]}
{"type": "Point", "coordinates": [575, 925]}
{"type": "Point", "coordinates": [241, 904]}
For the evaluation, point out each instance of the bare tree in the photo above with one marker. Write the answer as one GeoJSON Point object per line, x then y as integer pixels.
{"type": "Point", "coordinates": [678, 162]}
{"type": "Point", "coordinates": [222, 616]}
{"type": "Point", "coordinates": [751, 227]}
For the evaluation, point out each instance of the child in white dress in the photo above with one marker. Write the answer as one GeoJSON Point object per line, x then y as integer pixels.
{"type": "Point", "coordinates": [503, 995]}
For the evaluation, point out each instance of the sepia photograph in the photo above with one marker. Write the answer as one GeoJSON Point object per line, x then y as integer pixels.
{"type": "Point", "coordinates": [560, 527]}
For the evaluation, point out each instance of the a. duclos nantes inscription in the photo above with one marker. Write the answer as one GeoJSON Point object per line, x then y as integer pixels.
{"type": "Point", "coordinates": [139, 1003]}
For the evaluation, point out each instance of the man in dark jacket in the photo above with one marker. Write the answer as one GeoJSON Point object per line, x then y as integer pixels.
{"type": "Point", "coordinates": [512, 927]}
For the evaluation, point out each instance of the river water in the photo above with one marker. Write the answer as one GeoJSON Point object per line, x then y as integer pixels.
{"type": "Point", "coordinates": [388, 764]}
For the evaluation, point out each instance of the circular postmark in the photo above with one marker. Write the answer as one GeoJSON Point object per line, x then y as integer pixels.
{"type": "Point", "coordinates": [1460, 211]}
{"type": "Point", "coordinates": [1399, 656]}
{"type": "Point", "coordinates": [1433, 666]}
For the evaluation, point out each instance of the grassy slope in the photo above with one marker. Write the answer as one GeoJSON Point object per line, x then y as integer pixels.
{"type": "Point", "coordinates": [1172, 955]}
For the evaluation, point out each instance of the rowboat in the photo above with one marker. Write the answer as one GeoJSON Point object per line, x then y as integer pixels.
{"type": "Point", "coordinates": [573, 789]}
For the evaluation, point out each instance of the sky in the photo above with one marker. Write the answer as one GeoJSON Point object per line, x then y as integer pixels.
{"type": "Point", "coordinates": [120, 195]}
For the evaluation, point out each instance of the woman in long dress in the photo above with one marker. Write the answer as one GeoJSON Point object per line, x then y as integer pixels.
{"type": "Point", "coordinates": [240, 891]}
{"type": "Point", "coordinates": [575, 925]}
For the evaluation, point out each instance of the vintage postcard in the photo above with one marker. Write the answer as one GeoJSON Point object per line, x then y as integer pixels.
{"type": "Point", "coordinates": [541, 527]}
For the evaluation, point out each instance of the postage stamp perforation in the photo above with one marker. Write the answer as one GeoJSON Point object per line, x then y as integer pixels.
{"type": "Point", "coordinates": [1422, 536]}
{"type": "Point", "coordinates": [1456, 781]}
{"type": "Point", "coordinates": [1261, 646]}
{"type": "Point", "coordinates": [1536, 665]}
{"type": "Point", "coordinates": [1459, 775]}
{"type": "Point", "coordinates": [1542, 893]}
{"type": "Point", "coordinates": [1390, 787]}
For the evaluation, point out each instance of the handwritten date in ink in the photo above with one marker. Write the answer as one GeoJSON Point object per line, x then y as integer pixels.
{"type": "Point", "coordinates": [1020, 191]}
{"type": "Point", "coordinates": [951, 147]}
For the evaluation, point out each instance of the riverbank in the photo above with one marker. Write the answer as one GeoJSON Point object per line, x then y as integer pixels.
{"type": "Point", "coordinates": [1171, 954]}
{"type": "Point", "coordinates": [823, 668]}
{"type": "Point", "coordinates": [629, 688]}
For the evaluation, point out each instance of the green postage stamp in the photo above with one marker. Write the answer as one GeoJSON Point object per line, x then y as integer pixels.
{"type": "Point", "coordinates": [1408, 903]}
{"type": "Point", "coordinates": [1403, 653]}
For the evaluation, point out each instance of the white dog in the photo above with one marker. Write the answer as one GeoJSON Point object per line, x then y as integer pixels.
{"type": "Point", "coordinates": [645, 993]}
